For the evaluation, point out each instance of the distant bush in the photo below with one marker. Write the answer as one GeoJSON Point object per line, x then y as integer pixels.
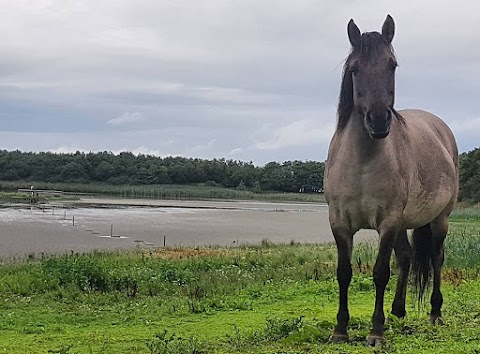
{"type": "Point", "coordinates": [470, 176]}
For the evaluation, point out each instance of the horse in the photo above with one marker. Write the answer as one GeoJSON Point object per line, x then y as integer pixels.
{"type": "Point", "coordinates": [390, 171]}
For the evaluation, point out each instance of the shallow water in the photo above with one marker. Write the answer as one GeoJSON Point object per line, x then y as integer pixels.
{"type": "Point", "coordinates": [149, 223]}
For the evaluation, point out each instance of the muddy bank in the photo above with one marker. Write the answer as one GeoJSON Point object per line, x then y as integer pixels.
{"type": "Point", "coordinates": [89, 224]}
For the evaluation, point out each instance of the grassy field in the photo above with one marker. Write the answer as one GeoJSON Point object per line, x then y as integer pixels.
{"type": "Point", "coordinates": [263, 299]}
{"type": "Point", "coordinates": [166, 191]}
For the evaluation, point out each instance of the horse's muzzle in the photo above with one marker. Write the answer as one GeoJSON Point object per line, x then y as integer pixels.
{"type": "Point", "coordinates": [378, 125]}
{"type": "Point", "coordinates": [379, 135]}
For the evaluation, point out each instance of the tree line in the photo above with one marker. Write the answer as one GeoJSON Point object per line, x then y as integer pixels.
{"type": "Point", "coordinates": [470, 176]}
{"type": "Point", "coordinates": [127, 168]}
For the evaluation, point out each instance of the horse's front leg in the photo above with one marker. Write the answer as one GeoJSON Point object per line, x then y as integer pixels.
{"type": "Point", "coordinates": [344, 241]}
{"type": "Point", "coordinates": [381, 276]}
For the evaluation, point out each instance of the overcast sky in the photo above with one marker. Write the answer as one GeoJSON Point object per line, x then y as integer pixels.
{"type": "Point", "coordinates": [254, 80]}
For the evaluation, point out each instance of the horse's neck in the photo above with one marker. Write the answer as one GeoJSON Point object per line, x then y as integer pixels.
{"type": "Point", "coordinates": [362, 147]}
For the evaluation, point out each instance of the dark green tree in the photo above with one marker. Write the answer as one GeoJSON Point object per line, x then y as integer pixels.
{"type": "Point", "coordinates": [470, 176]}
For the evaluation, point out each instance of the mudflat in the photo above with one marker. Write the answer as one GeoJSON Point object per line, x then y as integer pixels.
{"type": "Point", "coordinates": [106, 224]}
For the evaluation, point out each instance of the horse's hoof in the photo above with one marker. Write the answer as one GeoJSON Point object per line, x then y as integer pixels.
{"type": "Point", "coordinates": [436, 321]}
{"type": "Point", "coordinates": [339, 338]}
{"type": "Point", "coordinates": [398, 315]}
{"type": "Point", "coordinates": [375, 341]}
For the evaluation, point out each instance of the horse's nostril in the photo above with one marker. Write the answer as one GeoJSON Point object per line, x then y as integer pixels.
{"type": "Point", "coordinates": [389, 114]}
{"type": "Point", "coordinates": [378, 118]}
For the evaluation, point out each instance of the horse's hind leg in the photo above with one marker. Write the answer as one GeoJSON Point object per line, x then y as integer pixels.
{"type": "Point", "coordinates": [439, 229]}
{"type": "Point", "coordinates": [403, 255]}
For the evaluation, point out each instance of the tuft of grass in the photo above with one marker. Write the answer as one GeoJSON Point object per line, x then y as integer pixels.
{"type": "Point", "coordinates": [165, 343]}
{"type": "Point", "coordinates": [466, 214]}
{"type": "Point", "coordinates": [462, 247]}
{"type": "Point", "coordinates": [278, 328]}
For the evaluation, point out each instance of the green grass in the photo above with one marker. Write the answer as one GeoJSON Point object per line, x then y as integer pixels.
{"type": "Point", "coordinates": [167, 191]}
{"type": "Point", "coordinates": [13, 197]}
{"type": "Point", "coordinates": [469, 214]}
{"type": "Point", "coordinates": [263, 299]}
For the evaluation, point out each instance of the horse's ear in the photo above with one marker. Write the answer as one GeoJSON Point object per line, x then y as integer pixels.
{"type": "Point", "coordinates": [388, 29]}
{"type": "Point", "coordinates": [354, 34]}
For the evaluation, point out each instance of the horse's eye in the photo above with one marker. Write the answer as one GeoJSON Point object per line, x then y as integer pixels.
{"type": "Point", "coordinates": [354, 69]}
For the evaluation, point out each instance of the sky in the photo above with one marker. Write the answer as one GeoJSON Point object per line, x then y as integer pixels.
{"type": "Point", "coordinates": [251, 80]}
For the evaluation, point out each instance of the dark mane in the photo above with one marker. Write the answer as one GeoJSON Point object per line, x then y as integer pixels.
{"type": "Point", "coordinates": [372, 46]}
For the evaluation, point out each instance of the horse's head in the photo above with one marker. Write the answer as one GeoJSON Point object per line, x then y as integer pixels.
{"type": "Point", "coordinates": [371, 65]}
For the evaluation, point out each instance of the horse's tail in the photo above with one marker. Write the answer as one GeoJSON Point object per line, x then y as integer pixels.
{"type": "Point", "coordinates": [422, 266]}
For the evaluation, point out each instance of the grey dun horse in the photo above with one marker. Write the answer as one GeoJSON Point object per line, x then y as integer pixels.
{"type": "Point", "coordinates": [388, 171]}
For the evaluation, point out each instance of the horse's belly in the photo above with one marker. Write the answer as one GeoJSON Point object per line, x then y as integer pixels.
{"type": "Point", "coordinates": [424, 205]}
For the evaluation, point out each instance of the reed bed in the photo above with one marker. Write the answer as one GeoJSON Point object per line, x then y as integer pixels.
{"type": "Point", "coordinates": [166, 191]}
